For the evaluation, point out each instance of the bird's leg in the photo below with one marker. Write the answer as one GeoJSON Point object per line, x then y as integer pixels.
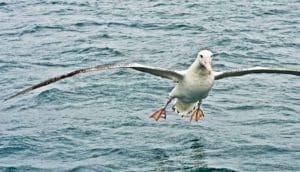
{"type": "Point", "coordinates": [161, 112]}
{"type": "Point", "coordinates": [198, 113]}
{"type": "Point", "coordinates": [173, 107]}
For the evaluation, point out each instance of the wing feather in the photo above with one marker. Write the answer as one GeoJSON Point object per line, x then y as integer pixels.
{"type": "Point", "coordinates": [240, 72]}
{"type": "Point", "coordinates": [165, 73]}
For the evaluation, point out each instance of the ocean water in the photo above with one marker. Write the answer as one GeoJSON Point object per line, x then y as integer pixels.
{"type": "Point", "coordinates": [100, 121]}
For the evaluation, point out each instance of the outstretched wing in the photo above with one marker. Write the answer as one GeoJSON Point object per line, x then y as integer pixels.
{"type": "Point", "coordinates": [165, 73]}
{"type": "Point", "coordinates": [240, 72]}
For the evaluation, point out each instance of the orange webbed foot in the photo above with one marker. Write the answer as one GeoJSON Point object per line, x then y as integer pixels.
{"type": "Point", "coordinates": [160, 113]}
{"type": "Point", "coordinates": [197, 115]}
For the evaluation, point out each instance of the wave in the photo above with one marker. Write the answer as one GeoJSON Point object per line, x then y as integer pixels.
{"type": "Point", "coordinates": [39, 28]}
{"type": "Point", "coordinates": [98, 50]}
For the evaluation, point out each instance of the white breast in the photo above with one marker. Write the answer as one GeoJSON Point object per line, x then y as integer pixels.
{"type": "Point", "coordinates": [193, 87]}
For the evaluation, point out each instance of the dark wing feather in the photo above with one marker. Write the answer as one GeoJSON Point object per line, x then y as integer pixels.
{"type": "Point", "coordinates": [240, 72]}
{"type": "Point", "coordinates": [165, 73]}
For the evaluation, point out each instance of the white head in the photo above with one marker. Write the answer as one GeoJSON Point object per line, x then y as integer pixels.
{"type": "Point", "coordinates": [203, 61]}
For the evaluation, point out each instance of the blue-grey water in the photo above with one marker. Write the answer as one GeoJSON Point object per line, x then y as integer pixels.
{"type": "Point", "coordinates": [100, 121]}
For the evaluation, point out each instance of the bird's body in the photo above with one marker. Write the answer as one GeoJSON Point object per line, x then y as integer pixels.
{"type": "Point", "coordinates": [192, 85]}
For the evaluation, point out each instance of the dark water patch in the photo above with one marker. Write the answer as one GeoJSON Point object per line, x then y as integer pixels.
{"type": "Point", "coordinates": [159, 4]}
{"type": "Point", "coordinates": [255, 41]}
{"type": "Point", "coordinates": [121, 73]}
{"type": "Point", "coordinates": [51, 96]}
{"type": "Point", "coordinates": [243, 107]}
{"type": "Point", "coordinates": [119, 151]}
{"type": "Point", "coordinates": [174, 26]}
{"type": "Point", "coordinates": [50, 64]}
{"type": "Point", "coordinates": [258, 136]}
{"type": "Point", "coordinates": [243, 48]}
{"type": "Point", "coordinates": [88, 23]}
{"type": "Point", "coordinates": [276, 12]}
{"type": "Point", "coordinates": [285, 110]}
{"type": "Point", "coordinates": [5, 151]}
{"type": "Point", "coordinates": [19, 127]}
{"type": "Point", "coordinates": [256, 150]}
{"type": "Point", "coordinates": [98, 50]}
{"type": "Point", "coordinates": [8, 34]}
{"type": "Point", "coordinates": [97, 152]}
{"type": "Point", "coordinates": [39, 28]}
{"type": "Point", "coordinates": [23, 168]}
{"type": "Point", "coordinates": [5, 67]}
{"type": "Point", "coordinates": [223, 41]}
{"type": "Point", "coordinates": [284, 44]}
{"type": "Point", "coordinates": [7, 108]}
{"type": "Point", "coordinates": [265, 166]}
{"type": "Point", "coordinates": [99, 36]}
{"type": "Point", "coordinates": [211, 169]}
{"type": "Point", "coordinates": [240, 18]}
{"type": "Point", "coordinates": [51, 43]}
{"type": "Point", "coordinates": [132, 121]}
{"type": "Point", "coordinates": [3, 4]}
{"type": "Point", "coordinates": [158, 26]}
{"type": "Point", "coordinates": [219, 65]}
{"type": "Point", "coordinates": [288, 134]}
{"type": "Point", "coordinates": [61, 141]}
{"type": "Point", "coordinates": [191, 139]}
{"type": "Point", "coordinates": [272, 121]}
{"type": "Point", "coordinates": [63, 12]}
{"type": "Point", "coordinates": [157, 153]}
{"type": "Point", "coordinates": [183, 14]}
{"type": "Point", "coordinates": [69, 3]}
{"type": "Point", "coordinates": [22, 145]}
{"type": "Point", "coordinates": [194, 5]}
{"type": "Point", "coordinates": [76, 132]}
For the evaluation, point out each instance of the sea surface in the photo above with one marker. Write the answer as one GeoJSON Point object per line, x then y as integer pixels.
{"type": "Point", "coordinates": [100, 121]}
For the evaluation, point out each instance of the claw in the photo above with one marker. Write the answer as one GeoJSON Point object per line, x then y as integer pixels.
{"type": "Point", "coordinates": [197, 115]}
{"type": "Point", "coordinates": [160, 113]}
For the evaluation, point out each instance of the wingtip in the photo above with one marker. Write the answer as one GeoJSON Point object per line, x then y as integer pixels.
{"type": "Point", "coordinates": [5, 100]}
{"type": "Point", "coordinates": [8, 98]}
{"type": "Point", "coordinates": [13, 96]}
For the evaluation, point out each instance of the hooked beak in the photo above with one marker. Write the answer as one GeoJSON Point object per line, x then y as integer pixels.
{"type": "Point", "coordinates": [207, 65]}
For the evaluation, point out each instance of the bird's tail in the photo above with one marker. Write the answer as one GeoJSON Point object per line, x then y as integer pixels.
{"type": "Point", "coordinates": [183, 108]}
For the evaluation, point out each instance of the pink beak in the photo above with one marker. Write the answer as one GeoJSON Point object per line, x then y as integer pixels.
{"type": "Point", "coordinates": [208, 65]}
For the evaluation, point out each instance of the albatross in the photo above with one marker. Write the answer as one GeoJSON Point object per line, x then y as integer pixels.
{"type": "Point", "coordinates": [192, 84]}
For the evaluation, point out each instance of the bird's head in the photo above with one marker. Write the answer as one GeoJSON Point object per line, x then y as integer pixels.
{"type": "Point", "coordinates": [203, 61]}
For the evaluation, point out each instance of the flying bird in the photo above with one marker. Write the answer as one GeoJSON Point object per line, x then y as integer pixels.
{"type": "Point", "coordinates": [192, 85]}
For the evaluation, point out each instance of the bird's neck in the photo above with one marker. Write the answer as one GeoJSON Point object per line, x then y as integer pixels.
{"type": "Point", "coordinates": [196, 69]}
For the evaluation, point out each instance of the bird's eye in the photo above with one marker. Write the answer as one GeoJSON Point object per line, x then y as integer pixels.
{"type": "Point", "coordinates": [201, 56]}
